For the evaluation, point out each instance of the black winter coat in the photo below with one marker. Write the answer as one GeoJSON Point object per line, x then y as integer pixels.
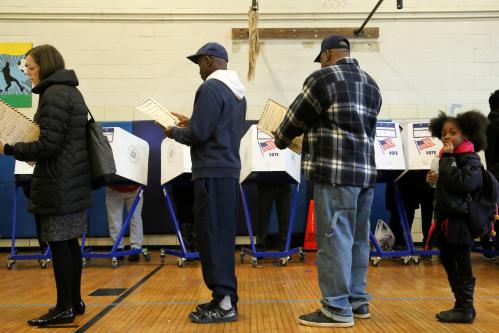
{"type": "Point", "coordinates": [458, 176]}
{"type": "Point", "coordinates": [492, 151]}
{"type": "Point", "coordinates": [61, 179]}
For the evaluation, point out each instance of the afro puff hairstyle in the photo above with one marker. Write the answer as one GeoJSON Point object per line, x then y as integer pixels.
{"type": "Point", "coordinates": [472, 123]}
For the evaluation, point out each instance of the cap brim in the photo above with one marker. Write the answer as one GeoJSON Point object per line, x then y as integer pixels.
{"type": "Point", "coordinates": [194, 58]}
{"type": "Point", "coordinates": [318, 59]}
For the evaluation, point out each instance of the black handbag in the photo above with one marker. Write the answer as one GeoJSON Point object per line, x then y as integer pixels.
{"type": "Point", "coordinates": [100, 154]}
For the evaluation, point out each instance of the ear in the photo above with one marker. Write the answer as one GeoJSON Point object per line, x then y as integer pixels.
{"type": "Point", "coordinates": [329, 55]}
{"type": "Point", "coordinates": [209, 61]}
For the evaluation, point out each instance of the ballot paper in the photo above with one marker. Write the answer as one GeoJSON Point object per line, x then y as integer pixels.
{"type": "Point", "coordinates": [272, 116]}
{"type": "Point", "coordinates": [157, 112]}
{"type": "Point", "coordinates": [16, 127]}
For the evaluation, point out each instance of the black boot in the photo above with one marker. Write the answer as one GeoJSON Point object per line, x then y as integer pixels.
{"type": "Point", "coordinates": [453, 281]}
{"type": "Point", "coordinates": [54, 317]}
{"type": "Point", "coordinates": [463, 311]}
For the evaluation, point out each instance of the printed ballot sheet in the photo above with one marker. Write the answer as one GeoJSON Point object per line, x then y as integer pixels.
{"type": "Point", "coordinates": [16, 127]}
{"type": "Point", "coordinates": [272, 116]}
{"type": "Point", "coordinates": [157, 112]}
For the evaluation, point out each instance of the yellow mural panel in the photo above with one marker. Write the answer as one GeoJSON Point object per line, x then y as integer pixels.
{"type": "Point", "coordinates": [15, 48]}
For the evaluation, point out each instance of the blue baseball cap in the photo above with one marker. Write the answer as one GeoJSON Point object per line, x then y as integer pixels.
{"type": "Point", "coordinates": [211, 49]}
{"type": "Point", "coordinates": [333, 42]}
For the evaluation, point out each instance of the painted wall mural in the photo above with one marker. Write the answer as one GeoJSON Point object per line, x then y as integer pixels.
{"type": "Point", "coordinates": [15, 85]}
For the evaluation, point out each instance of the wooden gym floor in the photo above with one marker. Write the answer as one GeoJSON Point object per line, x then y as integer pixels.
{"type": "Point", "coordinates": [158, 298]}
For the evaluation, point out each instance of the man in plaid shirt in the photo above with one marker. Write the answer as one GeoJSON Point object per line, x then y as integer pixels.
{"type": "Point", "coordinates": [337, 111]}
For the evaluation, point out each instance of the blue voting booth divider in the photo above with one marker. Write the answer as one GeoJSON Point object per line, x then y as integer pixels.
{"type": "Point", "coordinates": [154, 214]}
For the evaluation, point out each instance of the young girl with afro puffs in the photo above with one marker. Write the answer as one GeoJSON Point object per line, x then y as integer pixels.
{"type": "Point", "coordinates": [460, 174]}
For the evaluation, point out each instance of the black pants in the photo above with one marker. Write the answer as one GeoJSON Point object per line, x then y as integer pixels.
{"type": "Point", "coordinates": [456, 260]}
{"type": "Point", "coordinates": [66, 258]}
{"type": "Point", "coordinates": [216, 214]}
{"type": "Point", "coordinates": [281, 194]}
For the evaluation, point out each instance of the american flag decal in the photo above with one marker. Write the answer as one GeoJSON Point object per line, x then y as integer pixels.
{"type": "Point", "coordinates": [266, 145]}
{"type": "Point", "coordinates": [424, 143]}
{"type": "Point", "coordinates": [386, 144]}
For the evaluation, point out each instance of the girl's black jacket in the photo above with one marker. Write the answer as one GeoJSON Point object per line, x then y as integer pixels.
{"type": "Point", "coordinates": [459, 176]}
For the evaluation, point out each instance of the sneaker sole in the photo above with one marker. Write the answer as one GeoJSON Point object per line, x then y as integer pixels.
{"type": "Point", "coordinates": [313, 324]}
{"type": "Point", "coordinates": [213, 321]}
{"type": "Point", "coordinates": [362, 316]}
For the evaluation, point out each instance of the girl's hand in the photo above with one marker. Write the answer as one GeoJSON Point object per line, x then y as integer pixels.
{"type": "Point", "coordinates": [2, 145]}
{"type": "Point", "coordinates": [448, 147]}
{"type": "Point", "coordinates": [431, 178]}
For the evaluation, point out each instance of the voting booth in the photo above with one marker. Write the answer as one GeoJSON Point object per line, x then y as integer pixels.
{"type": "Point", "coordinates": [22, 177]}
{"type": "Point", "coordinates": [131, 154]}
{"type": "Point", "coordinates": [416, 154]}
{"type": "Point", "coordinates": [261, 160]}
{"type": "Point", "coordinates": [391, 163]}
{"type": "Point", "coordinates": [176, 171]}
{"type": "Point", "coordinates": [388, 151]}
{"type": "Point", "coordinates": [175, 162]}
{"type": "Point", "coordinates": [263, 163]}
{"type": "Point", "coordinates": [131, 157]}
{"type": "Point", "coordinates": [420, 147]}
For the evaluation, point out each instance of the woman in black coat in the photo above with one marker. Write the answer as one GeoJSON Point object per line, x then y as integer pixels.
{"type": "Point", "coordinates": [60, 185]}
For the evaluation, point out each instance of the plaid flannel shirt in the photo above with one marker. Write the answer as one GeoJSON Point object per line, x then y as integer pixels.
{"type": "Point", "coordinates": [337, 111]}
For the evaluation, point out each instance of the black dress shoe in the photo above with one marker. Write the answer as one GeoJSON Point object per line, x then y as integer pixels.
{"type": "Point", "coordinates": [54, 317]}
{"type": "Point", "coordinates": [79, 308]}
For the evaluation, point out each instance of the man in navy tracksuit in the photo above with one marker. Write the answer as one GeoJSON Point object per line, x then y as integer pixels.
{"type": "Point", "coordinates": [214, 133]}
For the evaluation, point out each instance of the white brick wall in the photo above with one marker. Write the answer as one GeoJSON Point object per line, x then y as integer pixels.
{"type": "Point", "coordinates": [430, 56]}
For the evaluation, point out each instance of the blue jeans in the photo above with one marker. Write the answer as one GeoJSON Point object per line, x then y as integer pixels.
{"type": "Point", "coordinates": [342, 218]}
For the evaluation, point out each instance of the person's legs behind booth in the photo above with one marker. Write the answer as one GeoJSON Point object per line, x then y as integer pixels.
{"type": "Point", "coordinates": [136, 226]}
{"type": "Point", "coordinates": [117, 198]}
{"type": "Point", "coordinates": [183, 199]}
{"type": "Point", "coordinates": [267, 195]}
